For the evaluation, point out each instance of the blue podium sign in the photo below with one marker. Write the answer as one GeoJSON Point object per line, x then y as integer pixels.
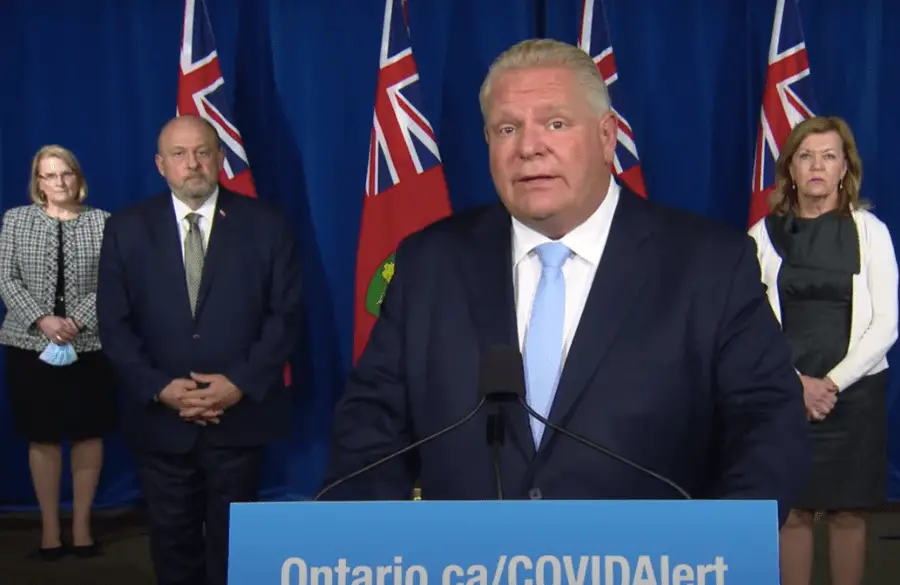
{"type": "Point", "coordinates": [505, 543]}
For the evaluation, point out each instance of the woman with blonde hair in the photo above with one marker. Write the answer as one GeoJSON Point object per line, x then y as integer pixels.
{"type": "Point", "coordinates": [831, 274]}
{"type": "Point", "coordinates": [61, 387]}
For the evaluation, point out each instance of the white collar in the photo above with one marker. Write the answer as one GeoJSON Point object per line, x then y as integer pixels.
{"type": "Point", "coordinates": [586, 241]}
{"type": "Point", "coordinates": [207, 210]}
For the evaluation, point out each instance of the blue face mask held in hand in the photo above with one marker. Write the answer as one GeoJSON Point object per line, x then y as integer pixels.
{"type": "Point", "coordinates": [59, 355]}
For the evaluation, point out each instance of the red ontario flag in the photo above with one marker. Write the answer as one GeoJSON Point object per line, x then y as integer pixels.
{"type": "Point", "coordinates": [405, 185]}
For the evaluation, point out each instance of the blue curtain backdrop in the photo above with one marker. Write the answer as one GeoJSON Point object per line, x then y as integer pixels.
{"type": "Point", "coordinates": [99, 76]}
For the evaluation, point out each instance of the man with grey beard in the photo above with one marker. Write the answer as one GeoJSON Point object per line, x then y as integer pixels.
{"type": "Point", "coordinates": [199, 308]}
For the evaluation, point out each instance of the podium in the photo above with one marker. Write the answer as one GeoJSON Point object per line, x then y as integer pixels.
{"type": "Point", "coordinates": [511, 542]}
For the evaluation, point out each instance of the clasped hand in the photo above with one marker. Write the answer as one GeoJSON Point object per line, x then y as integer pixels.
{"type": "Point", "coordinates": [201, 405]}
{"type": "Point", "coordinates": [819, 396]}
{"type": "Point", "coordinates": [59, 330]}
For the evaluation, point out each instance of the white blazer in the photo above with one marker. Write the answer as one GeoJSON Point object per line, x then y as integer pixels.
{"type": "Point", "coordinates": [873, 326]}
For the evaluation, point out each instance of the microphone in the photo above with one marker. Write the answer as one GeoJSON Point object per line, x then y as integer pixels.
{"type": "Point", "coordinates": [503, 376]}
{"type": "Point", "coordinates": [491, 384]}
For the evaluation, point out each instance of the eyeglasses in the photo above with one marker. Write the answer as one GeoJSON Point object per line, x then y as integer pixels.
{"type": "Point", "coordinates": [53, 177]}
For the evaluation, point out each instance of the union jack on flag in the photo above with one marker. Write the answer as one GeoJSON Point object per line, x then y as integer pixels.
{"type": "Point", "coordinates": [403, 144]}
{"type": "Point", "coordinates": [593, 38]}
{"type": "Point", "coordinates": [201, 92]}
{"type": "Point", "coordinates": [787, 100]}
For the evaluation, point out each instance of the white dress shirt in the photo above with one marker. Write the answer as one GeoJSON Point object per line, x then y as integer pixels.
{"type": "Point", "coordinates": [587, 242]}
{"type": "Point", "coordinates": [207, 213]}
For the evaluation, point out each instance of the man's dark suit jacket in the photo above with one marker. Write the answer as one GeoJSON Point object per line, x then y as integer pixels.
{"type": "Point", "coordinates": [678, 363]}
{"type": "Point", "coordinates": [247, 320]}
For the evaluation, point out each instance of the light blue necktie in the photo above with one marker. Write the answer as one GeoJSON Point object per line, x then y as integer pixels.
{"type": "Point", "coordinates": [544, 339]}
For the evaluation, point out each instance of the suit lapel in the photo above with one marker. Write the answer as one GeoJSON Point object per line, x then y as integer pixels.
{"type": "Point", "coordinates": [621, 274]}
{"type": "Point", "coordinates": [220, 241]}
{"type": "Point", "coordinates": [487, 274]}
{"type": "Point", "coordinates": [168, 242]}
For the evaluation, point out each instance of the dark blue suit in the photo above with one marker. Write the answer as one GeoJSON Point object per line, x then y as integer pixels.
{"type": "Point", "coordinates": [678, 364]}
{"type": "Point", "coordinates": [247, 322]}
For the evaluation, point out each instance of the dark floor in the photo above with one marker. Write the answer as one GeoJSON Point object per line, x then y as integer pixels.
{"type": "Point", "coordinates": [126, 559]}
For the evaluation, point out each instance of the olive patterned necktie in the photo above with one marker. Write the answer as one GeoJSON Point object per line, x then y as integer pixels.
{"type": "Point", "coordinates": [193, 258]}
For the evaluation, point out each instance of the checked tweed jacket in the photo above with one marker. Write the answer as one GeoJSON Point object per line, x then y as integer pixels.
{"type": "Point", "coordinates": [29, 246]}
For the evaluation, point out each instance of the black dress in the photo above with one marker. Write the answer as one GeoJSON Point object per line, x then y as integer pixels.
{"type": "Point", "coordinates": [51, 404]}
{"type": "Point", "coordinates": [815, 285]}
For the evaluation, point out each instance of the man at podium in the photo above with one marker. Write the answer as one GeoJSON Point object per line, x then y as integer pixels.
{"type": "Point", "coordinates": [642, 333]}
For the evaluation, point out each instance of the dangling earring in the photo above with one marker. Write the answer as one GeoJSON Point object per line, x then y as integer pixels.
{"type": "Point", "coordinates": [841, 185]}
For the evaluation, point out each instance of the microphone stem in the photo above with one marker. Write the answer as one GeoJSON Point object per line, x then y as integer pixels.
{"type": "Point", "coordinates": [403, 451]}
{"type": "Point", "coordinates": [604, 450]}
{"type": "Point", "coordinates": [497, 476]}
